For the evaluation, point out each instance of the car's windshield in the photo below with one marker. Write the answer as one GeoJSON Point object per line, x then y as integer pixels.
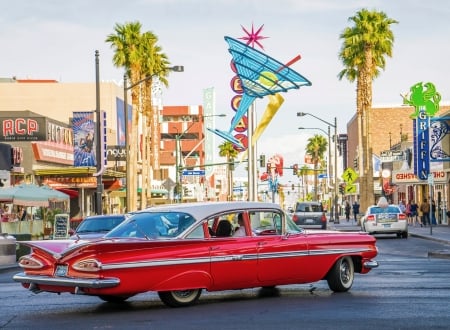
{"type": "Point", "coordinates": [153, 225]}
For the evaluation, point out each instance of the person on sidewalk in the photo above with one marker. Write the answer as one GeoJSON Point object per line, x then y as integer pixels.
{"type": "Point", "coordinates": [414, 211]}
{"type": "Point", "coordinates": [425, 209]}
{"type": "Point", "coordinates": [355, 210]}
{"type": "Point", "coordinates": [347, 211]}
{"type": "Point", "coordinates": [433, 213]}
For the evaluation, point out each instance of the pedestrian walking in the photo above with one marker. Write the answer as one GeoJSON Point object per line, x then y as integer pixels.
{"type": "Point", "coordinates": [355, 210]}
{"type": "Point", "coordinates": [347, 211]}
{"type": "Point", "coordinates": [433, 213]}
{"type": "Point", "coordinates": [414, 212]}
{"type": "Point", "coordinates": [425, 209]}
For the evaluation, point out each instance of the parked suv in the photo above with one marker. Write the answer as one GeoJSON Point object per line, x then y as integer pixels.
{"type": "Point", "coordinates": [310, 215]}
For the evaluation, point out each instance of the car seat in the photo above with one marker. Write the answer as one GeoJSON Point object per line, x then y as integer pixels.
{"type": "Point", "coordinates": [223, 229]}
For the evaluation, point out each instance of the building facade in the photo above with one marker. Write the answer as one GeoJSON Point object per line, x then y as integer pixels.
{"type": "Point", "coordinates": [392, 138]}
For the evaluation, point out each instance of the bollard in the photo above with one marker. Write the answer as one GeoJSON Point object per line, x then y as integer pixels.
{"type": "Point", "coordinates": [7, 249]}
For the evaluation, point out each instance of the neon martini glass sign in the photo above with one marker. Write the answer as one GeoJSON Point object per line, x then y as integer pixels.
{"type": "Point", "coordinates": [260, 75]}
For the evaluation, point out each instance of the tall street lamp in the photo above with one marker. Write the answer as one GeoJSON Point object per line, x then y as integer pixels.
{"type": "Point", "coordinates": [335, 194]}
{"type": "Point", "coordinates": [178, 187]}
{"type": "Point", "coordinates": [130, 185]}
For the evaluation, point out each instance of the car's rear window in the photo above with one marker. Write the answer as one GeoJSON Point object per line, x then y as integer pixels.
{"type": "Point", "coordinates": [389, 209]}
{"type": "Point", "coordinates": [308, 207]}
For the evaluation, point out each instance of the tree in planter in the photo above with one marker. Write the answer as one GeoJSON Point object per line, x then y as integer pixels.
{"type": "Point", "coordinates": [49, 219]}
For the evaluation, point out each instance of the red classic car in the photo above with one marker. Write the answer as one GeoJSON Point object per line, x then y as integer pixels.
{"type": "Point", "coordinates": [179, 250]}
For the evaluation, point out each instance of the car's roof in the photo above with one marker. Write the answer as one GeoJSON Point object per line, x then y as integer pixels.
{"type": "Point", "coordinates": [200, 210]}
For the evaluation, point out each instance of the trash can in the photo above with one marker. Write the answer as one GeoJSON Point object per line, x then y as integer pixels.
{"type": "Point", "coordinates": [21, 249]}
{"type": "Point", "coordinates": [7, 249]}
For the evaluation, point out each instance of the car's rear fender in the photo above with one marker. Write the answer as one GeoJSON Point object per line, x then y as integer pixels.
{"type": "Point", "coordinates": [196, 279]}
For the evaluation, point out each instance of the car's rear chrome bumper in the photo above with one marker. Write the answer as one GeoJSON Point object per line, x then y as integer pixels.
{"type": "Point", "coordinates": [93, 283]}
{"type": "Point", "coordinates": [370, 264]}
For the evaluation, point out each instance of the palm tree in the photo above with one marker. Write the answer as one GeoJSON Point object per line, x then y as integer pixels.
{"type": "Point", "coordinates": [363, 51]}
{"type": "Point", "coordinates": [305, 171]}
{"type": "Point", "coordinates": [227, 150]}
{"type": "Point", "coordinates": [126, 42]}
{"type": "Point", "coordinates": [316, 148]}
{"type": "Point", "coordinates": [154, 64]}
{"type": "Point", "coordinates": [140, 56]}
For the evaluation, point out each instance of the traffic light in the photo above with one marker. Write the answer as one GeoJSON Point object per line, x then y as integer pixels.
{"type": "Point", "coordinates": [342, 188]}
{"type": "Point", "coordinates": [295, 169]}
{"type": "Point", "coordinates": [262, 161]}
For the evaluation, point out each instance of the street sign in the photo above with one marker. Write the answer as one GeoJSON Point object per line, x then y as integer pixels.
{"type": "Point", "coordinates": [350, 175]}
{"type": "Point", "coordinates": [322, 176]}
{"type": "Point", "coordinates": [430, 179]}
{"type": "Point", "coordinates": [194, 172]}
{"type": "Point", "coordinates": [350, 188]}
{"type": "Point", "coordinates": [168, 184]}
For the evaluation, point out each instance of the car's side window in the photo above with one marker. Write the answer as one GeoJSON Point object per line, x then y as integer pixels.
{"type": "Point", "coordinates": [266, 223]}
{"type": "Point", "coordinates": [197, 232]}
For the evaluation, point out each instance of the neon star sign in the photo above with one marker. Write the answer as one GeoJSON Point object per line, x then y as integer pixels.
{"type": "Point", "coordinates": [253, 37]}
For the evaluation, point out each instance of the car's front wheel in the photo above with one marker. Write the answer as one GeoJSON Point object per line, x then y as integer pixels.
{"type": "Point", "coordinates": [180, 298]}
{"type": "Point", "coordinates": [340, 277]}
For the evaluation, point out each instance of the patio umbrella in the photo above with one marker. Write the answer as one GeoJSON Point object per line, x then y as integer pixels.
{"type": "Point", "coordinates": [28, 194]}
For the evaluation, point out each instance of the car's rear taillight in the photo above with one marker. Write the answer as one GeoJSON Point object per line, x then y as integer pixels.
{"type": "Point", "coordinates": [402, 216]}
{"type": "Point", "coordinates": [295, 217]}
{"type": "Point", "coordinates": [370, 217]}
{"type": "Point", "coordinates": [30, 262]}
{"type": "Point", "coordinates": [88, 265]}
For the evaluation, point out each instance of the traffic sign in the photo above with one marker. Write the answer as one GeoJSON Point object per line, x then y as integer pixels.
{"type": "Point", "coordinates": [194, 172]}
{"type": "Point", "coordinates": [350, 175]}
{"type": "Point", "coordinates": [350, 188]}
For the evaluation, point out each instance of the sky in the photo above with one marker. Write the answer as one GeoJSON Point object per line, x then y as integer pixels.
{"type": "Point", "coordinates": [53, 39]}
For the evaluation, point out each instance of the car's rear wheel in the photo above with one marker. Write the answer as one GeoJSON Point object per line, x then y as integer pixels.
{"type": "Point", "coordinates": [114, 299]}
{"type": "Point", "coordinates": [180, 298]}
{"type": "Point", "coordinates": [340, 277]}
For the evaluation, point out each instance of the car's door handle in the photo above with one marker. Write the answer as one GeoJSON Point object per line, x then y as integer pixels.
{"type": "Point", "coordinates": [237, 258]}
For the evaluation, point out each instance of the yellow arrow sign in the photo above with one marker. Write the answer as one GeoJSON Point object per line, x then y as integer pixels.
{"type": "Point", "coordinates": [350, 188]}
{"type": "Point", "coordinates": [349, 175]}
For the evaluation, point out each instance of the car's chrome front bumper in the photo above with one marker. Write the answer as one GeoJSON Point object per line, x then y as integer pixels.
{"type": "Point", "coordinates": [370, 264]}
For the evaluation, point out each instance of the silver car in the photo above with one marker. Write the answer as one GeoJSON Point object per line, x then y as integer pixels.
{"type": "Point", "coordinates": [310, 215]}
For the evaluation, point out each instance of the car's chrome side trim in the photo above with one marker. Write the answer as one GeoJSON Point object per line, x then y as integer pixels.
{"type": "Point", "coordinates": [231, 257]}
{"type": "Point", "coordinates": [93, 283]}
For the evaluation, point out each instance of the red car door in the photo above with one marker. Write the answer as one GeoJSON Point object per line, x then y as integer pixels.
{"type": "Point", "coordinates": [233, 262]}
{"type": "Point", "coordinates": [282, 259]}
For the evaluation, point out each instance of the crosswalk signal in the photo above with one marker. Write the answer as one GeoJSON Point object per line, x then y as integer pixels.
{"type": "Point", "coordinates": [295, 169]}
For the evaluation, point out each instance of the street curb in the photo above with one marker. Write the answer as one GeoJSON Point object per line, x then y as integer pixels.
{"type": "Point", "coordinates": [431, 238]}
